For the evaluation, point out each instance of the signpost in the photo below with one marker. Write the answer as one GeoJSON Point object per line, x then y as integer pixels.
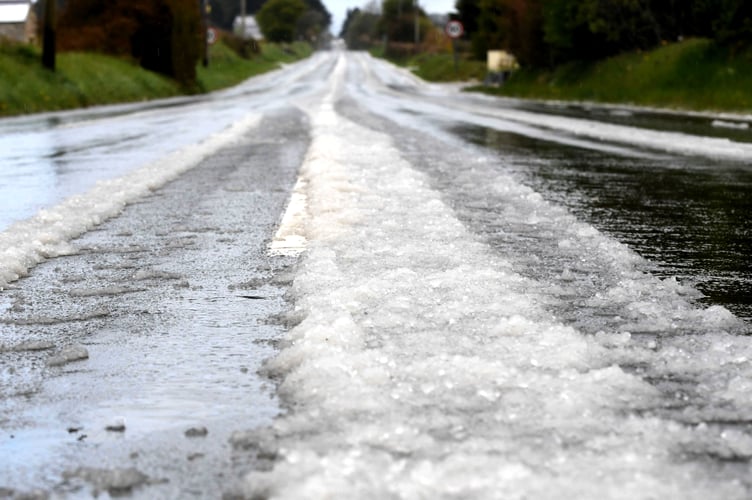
{"type": "Point", "coordinates": [454, 30]}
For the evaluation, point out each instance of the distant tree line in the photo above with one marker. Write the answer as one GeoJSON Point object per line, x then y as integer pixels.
{"type": "Point", "coordinates": [549, 32]}
{"type": "Point", "coordinates": [360, 30]}
{"type": "Point", "coordinates": [168, 36]}
{"type": "Point", "coordinates": [297, 19]}
{"type": "Point", "coordinates": [162, 35]}
{"type": "Point", "coordinates": [544, 32]}
{"type": "Point", "coordinates": [391, 20]}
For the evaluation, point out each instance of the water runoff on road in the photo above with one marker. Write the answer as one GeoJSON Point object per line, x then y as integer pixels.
{"type": "Point", "coordinates": [500, 303]}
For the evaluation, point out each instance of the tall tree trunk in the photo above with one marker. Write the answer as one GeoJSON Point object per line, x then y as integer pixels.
{"type": "Point", "coordinates": [48, 35]}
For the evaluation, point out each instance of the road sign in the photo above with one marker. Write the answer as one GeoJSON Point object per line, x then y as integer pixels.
{"type": "Point", "coordinates": [454, 29]}
{"type": "Point", "coordinates": [211, 36]}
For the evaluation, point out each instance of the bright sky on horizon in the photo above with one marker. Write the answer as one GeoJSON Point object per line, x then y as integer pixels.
{"type": "Point", "coordinates": [338, 9]}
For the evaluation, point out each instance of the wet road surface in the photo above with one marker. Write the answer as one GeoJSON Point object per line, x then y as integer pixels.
{"type": "Point", "coordinates": [175, 304]}
{"type": "Point", "coordinates": [499, 297]}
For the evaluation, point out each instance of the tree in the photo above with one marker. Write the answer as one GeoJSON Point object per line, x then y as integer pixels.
{"type": "Point", "coordinates": [49, 34]}
{"type": "Point", "coordinates": [310, 25]}
{"type": "Point", "coordinates": [494, 19]}
{"type": "Point", "coordinates": [317, 6]}
{"type": "Point", "coordinates": [186, 39]}
{"type": "Point", "coordinates": [681, 18]}
{"type": "Point", "coordinates": [163, 35]}
{"type": "Point", "coordinates": [555, 31]}
{"type": "Point", "coordinates": [468, 13]}
{"type": "Point", "coordinates": [592, 29]}
{"type": "Point", "coordinates": [624, 24]}
{"type": "Point", "coordinates": [733, 25]}
{"type": "Point", "coordinates": [223, 12]}
{"type": "Point", "coordinates": [526, 41]}
{"type": "Point", "coordinates": [512, 25]}
{"type": "Point", "coordinates": [567, 32]}
{"type": "Point", "coordinates": [278, 19]}
{"type": "Point", "coordinates": [350, 17]}
{"type": "Point", "coordinates": [398, 20]}
{"type": "Point", "coordinates": [360, 29]}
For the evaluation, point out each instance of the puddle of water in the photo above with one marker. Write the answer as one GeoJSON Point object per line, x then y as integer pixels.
{"type": "Point", "coordinates": [196, 367]}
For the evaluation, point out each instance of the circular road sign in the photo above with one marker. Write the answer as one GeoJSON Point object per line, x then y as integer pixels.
{"type": "Point", "coordinates": [211, 36]}
{"type": "Point", "coordinates": [454, 29]}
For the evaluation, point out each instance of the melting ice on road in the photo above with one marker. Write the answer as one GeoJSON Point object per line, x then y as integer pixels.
{"type": "Point", "coordinates": [425, 367]}
{"type": "Point", "coordinates": [28, 242]}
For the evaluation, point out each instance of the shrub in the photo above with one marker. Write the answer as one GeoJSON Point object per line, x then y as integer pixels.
{"type": "Point", "coordinates": [245, 48]}
{"type": "Point", "coordinates": [163, 35]}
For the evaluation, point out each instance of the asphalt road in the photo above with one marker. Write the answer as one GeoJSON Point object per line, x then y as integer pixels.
{"type": "Point", "coordinates": [174, 301]}
{"type": "Point", "coordinates": [494, 298]}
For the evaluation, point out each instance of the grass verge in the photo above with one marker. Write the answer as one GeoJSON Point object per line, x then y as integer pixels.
{"type": "Point", "coordinates": [439, 67]}
{"type": "Point", "coordinates": [226, 68]}
{"type": "Point", "coordinates": [695, 75]}
{"type": "Point", "coordinates": [87, 79]}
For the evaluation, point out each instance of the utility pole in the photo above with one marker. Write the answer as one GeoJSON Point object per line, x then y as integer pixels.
{"type": "Point", "coordinates": [242, 19]}
{"type": "Point", "coordinates": [416, 10]}
{"type": "Point", "coordinates": [205, 25]}
{"type": "Point", "coordinates": [48, 35]}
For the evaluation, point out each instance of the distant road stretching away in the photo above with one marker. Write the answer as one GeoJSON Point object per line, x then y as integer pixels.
{"type": "Point", "coordinates": [339, 281]}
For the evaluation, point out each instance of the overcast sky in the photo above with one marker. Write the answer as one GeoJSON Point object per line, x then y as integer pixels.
{"type": "Point", "coordinates": [338, 9]}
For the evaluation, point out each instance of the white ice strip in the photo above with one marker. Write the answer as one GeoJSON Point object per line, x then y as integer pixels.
{"type": "Point", "coordinates": [376, 96]}
{"type": "Point", "coordinates": [672, 142]}
{"type": "Point", "coordinates": [483, 110]}
{"type": "Point", "coordinates": [290, 236]}
{"type": "Point", "coordinates": [425, 367]}
{"type": "Point", "coordinates": [730, 124]}
{"type": "Point", "coordinates": [47, 234]}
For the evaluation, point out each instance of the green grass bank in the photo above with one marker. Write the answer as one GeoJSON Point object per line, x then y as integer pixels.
{"type": "Point", "coordinates": [438, 67]}
{"type": "Point", "coordinates": [694, 74]}
{"type": "Point", "coordinates": [691, 75]}
{"type": "Point", "coordinates": [88, 79]}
